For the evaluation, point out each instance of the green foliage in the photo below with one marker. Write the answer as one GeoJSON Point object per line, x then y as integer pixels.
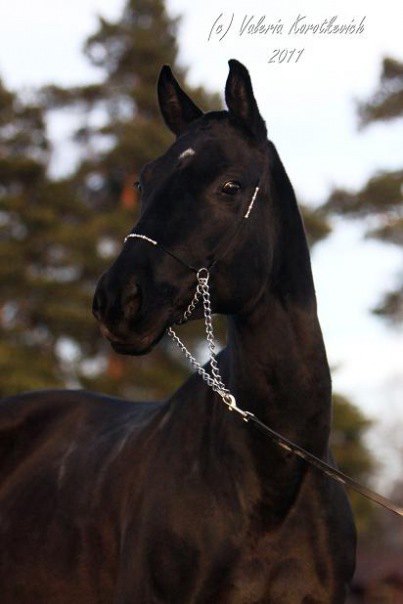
{"type": "Point", "coordinates": [391, 306]}
{"type": "Point", "coordinates": [27, 356]}
{"type": "Point", "coordinates": [27, 367]}
{"type": "Point", "coordinates": [380, 201]}
{"type": "Point", "coordinates": [387, 102]}
{"type": "Point", "coordinates": [22, 127]}
{"type": "Point", "coordinates": [352, 455]}
{"type": "Point", "coordinates": [349, 427]}
{"type": "Point", "coordinates": [317, 226]}
{"type": "Point", "coordinates": [382, 194]}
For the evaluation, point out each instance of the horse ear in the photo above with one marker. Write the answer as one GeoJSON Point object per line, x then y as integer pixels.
{"type": "Point", "coordinates": [176, 107]}
{"type": "Point", "coordinates": [241, 101]}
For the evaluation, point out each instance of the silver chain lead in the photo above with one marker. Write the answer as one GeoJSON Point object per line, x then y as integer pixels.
{"type": "Point", "coordinates": [213, 379]}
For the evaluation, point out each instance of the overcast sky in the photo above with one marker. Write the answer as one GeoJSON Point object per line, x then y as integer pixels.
{"type": "Point", "coordinates": [309, 107]}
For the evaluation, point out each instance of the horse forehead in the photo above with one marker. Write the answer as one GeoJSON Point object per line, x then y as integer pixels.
{"type": "Point", "coordinates": [207, 149]}
{"type": "Point", "coordinates": [185, 153]}
{"type": "Point", "coordinates": [212, 145]}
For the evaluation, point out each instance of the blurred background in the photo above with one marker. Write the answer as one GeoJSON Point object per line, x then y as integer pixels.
{"type": "Point", "coordinates": [78, 119]}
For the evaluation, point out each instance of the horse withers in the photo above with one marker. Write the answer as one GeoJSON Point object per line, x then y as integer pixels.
{"type": "Point", "coordinates": [110, 501]}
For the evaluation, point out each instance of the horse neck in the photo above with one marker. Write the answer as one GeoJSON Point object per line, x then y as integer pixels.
{"type": "Point", "coordinates": [277, 360]}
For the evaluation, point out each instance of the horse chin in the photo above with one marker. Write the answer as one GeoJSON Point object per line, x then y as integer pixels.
{"type": "Point", "coordinates": [137, 346]}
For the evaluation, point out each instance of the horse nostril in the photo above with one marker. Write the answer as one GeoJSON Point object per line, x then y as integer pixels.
{"type": "Point", "coordinates": [98, 305]}
{"type": "Point", "coordinates": [132, 300]}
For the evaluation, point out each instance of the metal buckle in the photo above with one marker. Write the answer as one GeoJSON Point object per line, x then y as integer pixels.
{"type": "Point", "coordinates": [200, 276]}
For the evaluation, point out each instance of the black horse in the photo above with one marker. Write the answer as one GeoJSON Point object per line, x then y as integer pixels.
{"type": "Point", "coordinates": [108, 501]}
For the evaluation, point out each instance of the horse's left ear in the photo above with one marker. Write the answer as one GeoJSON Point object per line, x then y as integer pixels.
{"type": "Point", "coordinates": [241, 100]}
{"type": "Point", "coordinates": [177, 109]}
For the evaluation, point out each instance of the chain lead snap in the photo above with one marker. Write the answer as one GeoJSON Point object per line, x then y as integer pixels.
{"type": "Point", "coordinates": [229, 399]}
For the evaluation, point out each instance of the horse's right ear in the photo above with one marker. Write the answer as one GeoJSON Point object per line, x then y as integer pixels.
{"type": "Point", "coordinates": [177, 109]}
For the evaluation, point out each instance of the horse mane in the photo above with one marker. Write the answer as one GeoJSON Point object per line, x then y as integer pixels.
{"type": "Point", "coordinates": [292, 273]}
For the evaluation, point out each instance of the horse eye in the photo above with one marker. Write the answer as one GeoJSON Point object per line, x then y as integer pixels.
{"type": "Point", "coordinates": [137, 186]}
{"type": "Point", "coordinates": [231, 187]}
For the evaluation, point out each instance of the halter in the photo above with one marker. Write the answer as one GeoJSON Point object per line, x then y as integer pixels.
{"type": "Point", "coordinates": [223, 248]}
{"type": "Point", "coordinates": [213, 377]}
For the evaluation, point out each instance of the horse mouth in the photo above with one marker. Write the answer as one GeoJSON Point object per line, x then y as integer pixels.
{"type": "Point", "coordinates": [128, 342]}
{"type": "Point", "coordinates": [133, 344]}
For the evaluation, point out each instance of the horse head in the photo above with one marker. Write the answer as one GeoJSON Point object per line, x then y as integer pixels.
{"type": "Point", "coordinates": [194, 199]}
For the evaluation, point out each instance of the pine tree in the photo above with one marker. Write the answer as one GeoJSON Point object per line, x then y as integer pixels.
{"type": "Point", "coordinates": [46, 285]}
{"type": "Point", "coordinates": [26, 354]}
{"type": "Point", "coordinates": [381, 198]}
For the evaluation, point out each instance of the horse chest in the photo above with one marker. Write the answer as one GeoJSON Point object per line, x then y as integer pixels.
{"type": "Point", "coordinates": [275, 571]}
{"type": "Point", "coordinates": [254, 573]}
{"type": "Point", "coordinates": [200, 552]}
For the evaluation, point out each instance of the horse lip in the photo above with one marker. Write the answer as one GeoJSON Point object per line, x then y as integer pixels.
{"type": "Point", "coordinates": [139, 347]}
{"type": "Point", "coordinates": [138, 344]}
{"type": "Point", "coordinates": [122, 344]}
{"type": "Point", "coordinates": [109, 335]}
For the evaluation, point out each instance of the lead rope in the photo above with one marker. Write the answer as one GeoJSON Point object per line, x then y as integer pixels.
{"type": "Point", "coordinates": [214, 380]}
